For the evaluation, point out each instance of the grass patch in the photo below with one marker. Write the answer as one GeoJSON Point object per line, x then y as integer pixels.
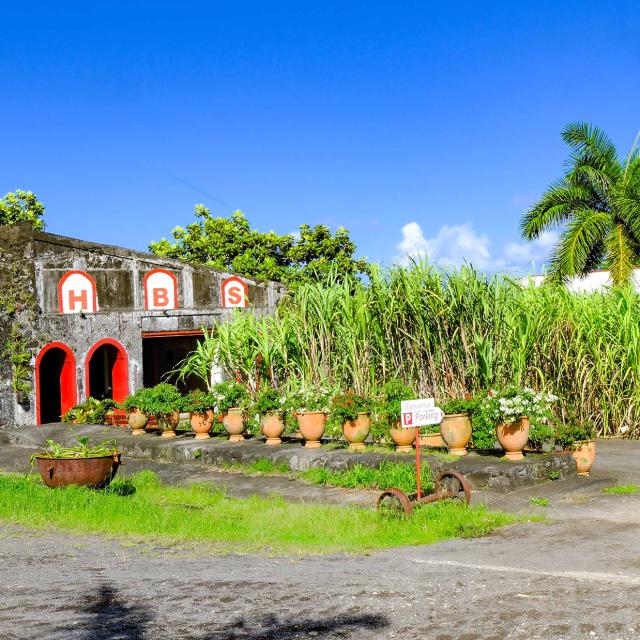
{"type": "Point", "coordinates": [388, 474]}
{"type": "Point", "coordinates": [143, 509]}
{"type": "Point", "coordinates": [259, 467]}
{"type": "Point", "coordinates": [539, 502]}
{"type": "Point", "coordinates": [623, 488]}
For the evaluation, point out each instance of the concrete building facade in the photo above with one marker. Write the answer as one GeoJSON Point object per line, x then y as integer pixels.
{"type": "Point", "coordinates": [80, 319]}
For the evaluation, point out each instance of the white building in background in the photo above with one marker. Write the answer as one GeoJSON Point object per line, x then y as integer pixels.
{"type": "Point", "coordinates": [595, 281]}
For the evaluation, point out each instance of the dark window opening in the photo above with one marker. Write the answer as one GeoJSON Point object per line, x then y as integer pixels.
{"type": "Point", "coordinates": [51, 368]}
{"type": "Point", "coordinates": [101, 368]}
{"type": "Point", "coordinates": [162, 355]}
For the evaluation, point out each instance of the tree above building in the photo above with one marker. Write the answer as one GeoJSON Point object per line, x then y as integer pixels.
{"type": "Point", "coordinates": [230, 243]}
{"type": "Point", "coordinates": [22, 207]}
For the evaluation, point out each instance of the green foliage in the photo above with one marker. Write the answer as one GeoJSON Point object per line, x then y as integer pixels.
{"type": "Point", "coordinates": [198, 401]}
{"type": "Point", "coordinates": [230, 394]}
{"type": "Point", "coordinates": [345, 407]}
{"type": "Point", "coordinates": [459, 405]}
{"type": "Point", "coordinates": [314, 254]}
{"type": "Point", "coordinates": [596, 203]}
{"type": "Point", "coordinates": [393, 392]}
{"type": "Point", "coordinates": [22, 207]}
{"type": "Point", "coordinates": [539, 502]}
{"type": "Point", "coordinates": [569, 434]}
{"type": "Point", "coordinates": [622, 489]}
{"type": "Point", "coordinates": [161, 401]}
{"type": "Point", "coordinates": [387, 475]}
{"type": "Point", "coordinates": [269, 401]}
{"type": "Point", "coordinates": [83, 449]}
{"type": "Point", "coordinates": [554, 475]}
{"type": "Point", "coordinates": [137, 400]}
{"type": "Point", "coordinates": [91, 411]}
{"type": "Point", "coordinates": [200, 514]}
{"type": "Point", "coordinates": [16, 349]}
{"type": "Point", "coordinates": [448, 334]}
{"type": "Point", "coordinates": [541, 432]}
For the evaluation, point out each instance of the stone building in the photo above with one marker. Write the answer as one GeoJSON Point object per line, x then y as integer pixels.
{"type": "Point", "coordinates": [80, 319]}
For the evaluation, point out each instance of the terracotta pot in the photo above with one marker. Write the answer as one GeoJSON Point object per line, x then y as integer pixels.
{"type": "Point", "coordinates": [312, 424]}
{"type": "Point", "coordinates": [585, 456]}
{"type": "Point", "coordinates": [137, 421]}
{"type": "Point", "coordinates": [513, 437]}
{"type": "Point", "coordinates": [169, 423]}
{"type": "Point", "coordinates": [90, 472]}
{"type": "Point", "coordinates": [456, 432]}
{"type": "Point", "coordinates": [433, 440]}
{"type": "Point", "coordinates": [356, 431]}
{"type": "Point", "coordinates": [201, 423]}
{"type": "Point", "coordinates": [272, 428]}
{"type": "Point", "coordinates": [403, 438]}
{"type": "Point", "coordinates": [233, 422]}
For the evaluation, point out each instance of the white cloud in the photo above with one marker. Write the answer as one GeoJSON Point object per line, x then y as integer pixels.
{"type": "Point", "coordinates": [452, 245]}
{"type": "Point", "coordinates": [456, 244]}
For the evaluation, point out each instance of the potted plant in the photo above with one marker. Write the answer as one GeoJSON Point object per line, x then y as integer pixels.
{"type": "Point", "coordinates": [91, 411]}
{"type": "Point", "coordinates": [352, 411]}
{"type": "Point", "coordinates": [269, 409]}
{"type": "Point", "coordinates": [137, 417]}
{"type": "Point", "coordinates": [311, 406]}
{"type": "Point", "coordinates": [200, 406]}
{"type": "Point", "coordinates": [580, 440]}
{"type": "Point", "coordinates": [510, 410]}
{"type": "Point", "coordinates": [456, 424]}
{"type": "Point", "coordinates": [81, 464]}
{"type": "Point", "coordinates": [165, 402]}
{"type": "Point", "coordinates": [393, 392]}
{"type": "Point", "coordinates": [231, 401]}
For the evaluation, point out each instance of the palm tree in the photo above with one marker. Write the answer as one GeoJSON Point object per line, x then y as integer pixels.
{"type": "Point", "coordinates": [597, 203]}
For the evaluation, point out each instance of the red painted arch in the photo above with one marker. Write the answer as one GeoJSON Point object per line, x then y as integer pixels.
{"type": "Point", "coordinates": [64, 279]}
{"type": "Point", "coordinates": [68, 386]}
{"type": "Point", "coordinates": [120, 373]}
{"type": "Point", "coordinates": [175, 286]}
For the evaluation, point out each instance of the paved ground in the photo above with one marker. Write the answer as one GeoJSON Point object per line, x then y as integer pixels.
{"type": "Point", "coordinates": [577, 576]}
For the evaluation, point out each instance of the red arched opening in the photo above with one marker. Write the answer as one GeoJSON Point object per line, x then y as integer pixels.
{"type": "Point", "coordinates": [56, 389]}
{"type": "Point", "coordinates": [107, 371]}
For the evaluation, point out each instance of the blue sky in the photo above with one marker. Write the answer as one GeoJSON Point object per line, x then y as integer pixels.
{"type": "Point", "coordinates": [416, 125]}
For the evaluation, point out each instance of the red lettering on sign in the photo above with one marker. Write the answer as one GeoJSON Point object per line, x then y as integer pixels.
{"type": "Point", "coordinates": [78, 297]}
{"type": "Point", "coordinates": [160, 297]}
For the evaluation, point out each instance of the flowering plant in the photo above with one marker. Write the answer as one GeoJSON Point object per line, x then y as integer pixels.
{"type": "Point", "coordinates": [269, 400]}
{"type": "Point", "coordinates": [345, 407]}
{"type": "Point", "coordinates": [230, 395]}
{"type": "Point", "coordinates": [513, 403]}
{"type": "Point", "coordinates": [309, 399]}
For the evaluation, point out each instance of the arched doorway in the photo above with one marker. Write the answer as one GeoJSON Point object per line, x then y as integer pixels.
{"type": "Point", "coordinates": [107, 371]}
{"type": "Point", "coordinates": [56, 389]}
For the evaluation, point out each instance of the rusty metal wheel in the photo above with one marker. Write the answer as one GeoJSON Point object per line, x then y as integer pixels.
{"type": "Point", "coordinates": [394, 502]}
{"type": "Point", "coordinates": [455, 483]}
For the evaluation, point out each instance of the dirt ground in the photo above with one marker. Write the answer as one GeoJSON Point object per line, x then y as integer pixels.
{"type": "Point", "coordinates": [575, 576]}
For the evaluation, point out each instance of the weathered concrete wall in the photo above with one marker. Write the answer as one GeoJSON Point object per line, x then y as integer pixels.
{"type": "Point", "coordinates": [119, 275]}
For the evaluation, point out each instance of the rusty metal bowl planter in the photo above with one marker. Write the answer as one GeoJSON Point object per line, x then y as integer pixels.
{"type": "Point", "coordinates": [95, 472]}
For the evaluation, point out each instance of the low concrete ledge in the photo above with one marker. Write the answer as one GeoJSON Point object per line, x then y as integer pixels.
{"type": "Point", "coordinates": [484, 470]}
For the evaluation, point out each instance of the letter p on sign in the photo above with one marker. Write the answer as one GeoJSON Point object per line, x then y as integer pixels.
{"type": "Point", "coordinates": [234, 293]}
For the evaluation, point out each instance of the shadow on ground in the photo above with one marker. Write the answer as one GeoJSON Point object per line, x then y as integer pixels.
{"type": "Point", "coordinates": [110, 618]}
